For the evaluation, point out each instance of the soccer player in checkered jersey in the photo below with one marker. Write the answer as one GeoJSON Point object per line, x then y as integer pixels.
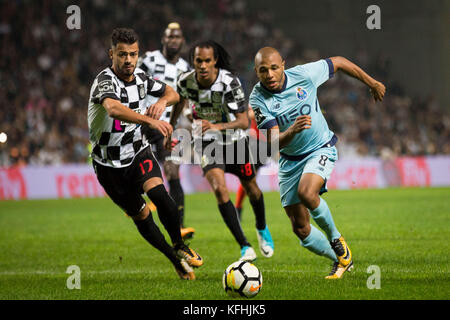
{"type": "Point", "coordinates": [122, 158]}
{"type": "Point", "coordinates": [219, 105]}
{"type": "Point", "coordinates": [166, 65]}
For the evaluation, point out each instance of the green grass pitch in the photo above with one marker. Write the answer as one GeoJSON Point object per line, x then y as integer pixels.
{"type": "Point", "coordinates": [405, 232]}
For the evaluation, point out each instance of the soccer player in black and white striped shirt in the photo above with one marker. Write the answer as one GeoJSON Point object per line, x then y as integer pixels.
{"type": "Point", "coordinates": [122, 158]}
{"type": "Point", "coordinates": [221, 111]}
{"type": "Point", "coordinates": [167, 65]}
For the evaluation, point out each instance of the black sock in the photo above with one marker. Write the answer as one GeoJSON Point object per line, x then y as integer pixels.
{"type": "Point", "coordinates": [260, 212]}
{"type": "Point", "coordinates": [167, 212]}
{"type": "Point", "coordinates": [177, 194]}
{"type": "Point", "coordinates": [229, 215]}
{"type": "Point", "coordinates": [150, 232]}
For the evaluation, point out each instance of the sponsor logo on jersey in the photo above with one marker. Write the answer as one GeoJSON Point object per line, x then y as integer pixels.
{"type": "Point", "coordinates": [106, 86]}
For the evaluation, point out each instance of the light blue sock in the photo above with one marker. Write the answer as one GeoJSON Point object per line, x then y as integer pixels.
{"type": "Point", "coordinates": [317, 242]}
{"type": "Point", "coordinates": [322, 216]}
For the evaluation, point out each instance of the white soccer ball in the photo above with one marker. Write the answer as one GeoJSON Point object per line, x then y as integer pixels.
{"type": "Point", "coordinates": [242, 278]}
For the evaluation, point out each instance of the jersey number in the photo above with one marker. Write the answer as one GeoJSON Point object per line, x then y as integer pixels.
{"type": "Point", "coordinates": [150, 166]}
{"type": "Point", "coordinates": [322, 160]}
{"type": "Point", "coordinates": [246, 169]}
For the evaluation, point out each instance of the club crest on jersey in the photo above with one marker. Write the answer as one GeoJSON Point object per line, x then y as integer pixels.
{"type": "Point", "coordinates": [301, 93]}
{"type": "Point", "coordinates": [141, 91]}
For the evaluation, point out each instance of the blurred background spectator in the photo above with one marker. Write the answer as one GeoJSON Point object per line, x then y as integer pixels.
{"type": "Point", "coordinates": [47, 70]}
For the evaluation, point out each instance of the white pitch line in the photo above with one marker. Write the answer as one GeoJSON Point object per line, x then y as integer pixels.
{"type": "Point", "coordinates": [220, 271]}
{"type": "Point", "coordinates": [116, 271]}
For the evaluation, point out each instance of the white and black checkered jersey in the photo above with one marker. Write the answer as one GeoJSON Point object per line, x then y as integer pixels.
{"type": "Point", "coordinates": [115, 143]}
{"type": "Point", "coordinates": [157, 66]}
{"type": "Point", "coordinates": [218, 103]}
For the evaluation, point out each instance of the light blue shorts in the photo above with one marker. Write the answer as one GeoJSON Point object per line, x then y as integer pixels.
{"type": "Point", "coordinates": [320, 162]}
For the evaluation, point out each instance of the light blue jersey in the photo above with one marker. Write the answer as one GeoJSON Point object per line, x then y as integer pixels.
{"type": "Point", "coordinates": [298, 97]}
{"type": "Point", "coordinates": [310, 151]}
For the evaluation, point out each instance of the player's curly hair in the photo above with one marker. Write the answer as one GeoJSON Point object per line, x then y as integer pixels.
{"type": "Point", "coordinates": [222, 56]}
{"type": "Point", "coordinates": [123, 35]}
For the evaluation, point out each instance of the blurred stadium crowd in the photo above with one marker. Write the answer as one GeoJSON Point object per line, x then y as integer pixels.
{"type": "Point", "coordinates": [47, 70]}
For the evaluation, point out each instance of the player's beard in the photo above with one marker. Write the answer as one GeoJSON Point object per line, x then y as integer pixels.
{"type": "Point", "coordinates": [127, 71]}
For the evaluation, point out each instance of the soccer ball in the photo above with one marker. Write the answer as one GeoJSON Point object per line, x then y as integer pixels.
{"type": "Point", "coordinates": [242, 278]}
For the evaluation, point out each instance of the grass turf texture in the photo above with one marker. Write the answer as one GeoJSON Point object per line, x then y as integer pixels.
{"type": "Point", "coordinates": [403, 231]}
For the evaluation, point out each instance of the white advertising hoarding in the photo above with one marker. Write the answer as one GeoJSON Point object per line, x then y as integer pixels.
{"type": "Point", "coordinates": [72, 181]}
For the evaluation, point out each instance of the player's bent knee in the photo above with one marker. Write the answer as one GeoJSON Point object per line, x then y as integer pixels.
{"type": "Point", "coordinates": [171, 170]}
{"type": "Point", "coordinates": [221, 193]}
{"type": "Point", "coordinates": [172, 175]}
{"type": "Point", "coordinates": [309, 197]}
{"type": "Point", "coordinates": [252, 190]}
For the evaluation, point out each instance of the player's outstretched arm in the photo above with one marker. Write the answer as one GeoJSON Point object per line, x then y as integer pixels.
{"type": "Point", "coordinates": [377, 89]}
{"type": "Point", "coordinates": [120, 112]}
{"type": "Point", "coordinates": [169, 98]}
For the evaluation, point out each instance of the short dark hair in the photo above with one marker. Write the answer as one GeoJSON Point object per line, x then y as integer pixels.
{"type": "Point", "coordinates": [123, 35]}
{"type": "Point", "coordinates": [222, 56]}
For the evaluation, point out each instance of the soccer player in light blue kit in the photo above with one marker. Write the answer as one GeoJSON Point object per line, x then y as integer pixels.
{"type": "Point", "coordinates": [286, 105]}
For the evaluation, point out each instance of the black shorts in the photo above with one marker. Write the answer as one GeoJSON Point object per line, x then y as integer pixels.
{"type": "Point", "coordinates": [124, 185]}
{"type": "Point", "coordinates": [239, 161]}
